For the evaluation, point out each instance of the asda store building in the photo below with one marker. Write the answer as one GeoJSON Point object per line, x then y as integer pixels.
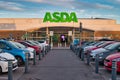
{"type": "Point", "coordinates": [36, 29]}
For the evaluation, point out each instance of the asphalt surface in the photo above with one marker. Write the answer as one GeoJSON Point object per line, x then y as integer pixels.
{"type": "Point", "coordinates": [60, 64]}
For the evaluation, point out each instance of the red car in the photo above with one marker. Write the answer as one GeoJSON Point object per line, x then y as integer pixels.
{"type": "Point", "coordinates": [108, 61]}
{"type": "Point", "coordinates": [37, 48]}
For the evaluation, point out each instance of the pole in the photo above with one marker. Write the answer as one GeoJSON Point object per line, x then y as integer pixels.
{"type": "Point", "coordinates": [88, 59]}
{"type": "Point", "coordinates": [82, 54]}
{"type": "Point", "coordinates": [34, 59]}
{"type": "Point", "coordinates": [51, 43]}
{"type": "Point", "coordinates": [10, 74]}
{"type": "Point", "coordinates": [80, 33]}
{"type": "Point", "coordinates": [97, 64]}
{"type": "Point", "coordinates": [26, 63]}
{"type": "Point", "coordinates": [39, 55]}
{"type": "Point", "coordinates": [114, 70]}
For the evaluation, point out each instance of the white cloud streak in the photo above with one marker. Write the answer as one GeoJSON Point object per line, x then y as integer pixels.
{"type": "Point", "coordinates": [10, 6]}
{"type": "Point", "coordinates": [72, 4]}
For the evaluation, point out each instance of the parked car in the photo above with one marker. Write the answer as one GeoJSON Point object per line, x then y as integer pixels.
{"type": "Point", "coordinates": [4, 57]}
{"type": "Point", "coordinates": [21, 46]}
{"type": "Point", "coordinates": [37, 44]}
{"type": "Point", "coordinates": [10, 47]}
{"type": "Point", "coordinates": [109, 59]}
{"type": "Point", "coordinates": [100, 46]}
{"type": "Point", "coordinates": [37, 48]}
{"type": "Point", "coordinates": [95, 44]}
{"type": "Point", "coordinates": [44, 42]}
{"type": "Point", "coordinates": [110, 49]}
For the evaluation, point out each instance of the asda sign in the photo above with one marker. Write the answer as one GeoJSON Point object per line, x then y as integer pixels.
{"type": "Point", "coordinates": [60, 17]}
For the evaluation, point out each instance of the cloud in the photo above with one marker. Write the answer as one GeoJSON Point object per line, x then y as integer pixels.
{"type": "Point", "coordinates": [118, 0]}
{"type": "Point", "coordinates": [103, 6]}
{"type": "Point", "coordinates": [2, 13]}
{"type": "Point", "coordinates": [73, 4]}
{"type": "Point", "coordinates": [11, 6]}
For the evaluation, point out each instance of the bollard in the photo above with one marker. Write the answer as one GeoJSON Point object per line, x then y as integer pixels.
{"type": "Point", "coordinates": [47, 50]}
{"type": "Point", "coordinates": [88, 59]}
{"type": "Point", "coordinates": [43, 53]}
{"type": "Point", "coordinates": [76, 49]}
{"type": "Point", "coordinates": [97, 64]}
{"type": "Point", "coordinates": [10, 74]}
{"type": "Point", "coordinates": [34, 59]}
{"type": "Point", "coordinates": [82, 54]}
{"type": "Point", "coordinates": [39, 56]}
{"type": "Point", "coordinates": [114, 70]}
{"type": "Point", "coordinates": [79, 52]}
{"type": "Point", "coordinates": [26, 63]}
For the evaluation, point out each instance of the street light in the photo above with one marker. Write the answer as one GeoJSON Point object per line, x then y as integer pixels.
{"type": "Point", "coordinates": [80, 33]}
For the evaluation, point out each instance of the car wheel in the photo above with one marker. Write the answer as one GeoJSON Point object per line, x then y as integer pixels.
{"type": "Point", "coordinates": [0, 70]}
{"type": "Point", "coordinates": [20, 60]}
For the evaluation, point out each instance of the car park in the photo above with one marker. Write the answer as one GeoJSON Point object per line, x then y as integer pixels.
{"type": "Point", "coordinates": [110, 58]}
{"type": "Point", "coordinates": [10, 47]}
{"type": "Point", "coordinates": [4, 57]}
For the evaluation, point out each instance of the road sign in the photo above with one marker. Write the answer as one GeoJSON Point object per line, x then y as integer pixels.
{"type": "Point", "coordinates": [51, 33]}
{"type": "Point", "coordinates": [69, 33]}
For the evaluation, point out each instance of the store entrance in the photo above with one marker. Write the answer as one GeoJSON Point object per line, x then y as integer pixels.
{"type": "Point", "coordinates": [60, 37]}
{"type": "Point", "coordinates": [61, 40]}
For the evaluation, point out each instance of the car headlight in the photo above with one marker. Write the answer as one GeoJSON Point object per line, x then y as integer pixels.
{"type": "Point", "coordinates": [3, 59]}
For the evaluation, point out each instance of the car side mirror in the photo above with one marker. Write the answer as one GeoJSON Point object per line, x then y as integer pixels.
{"type": "Point", "coordinates": [8, 48]}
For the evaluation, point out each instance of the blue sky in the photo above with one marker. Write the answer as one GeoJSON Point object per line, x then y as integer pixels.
{"type": "Point", "coordinates": [38, 8]}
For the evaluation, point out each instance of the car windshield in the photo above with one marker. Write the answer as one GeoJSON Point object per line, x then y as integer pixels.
{"type": "Point", "coordinates": [92, 43]}
{"type": "Point", "coordinates": [19, 45]}
{"type": "Point", "coordinates": [99, 43]}
{"type": "Point", "coordinates": [102, 45]}
{"type": "Point", "coordinates": [28, 43]}
{"type": "Point", "coordinates": [34, 44]}
{"type": "Point", "coordinates": [112, 46]}
{"type": "Point", "coordinates": [13, 44]}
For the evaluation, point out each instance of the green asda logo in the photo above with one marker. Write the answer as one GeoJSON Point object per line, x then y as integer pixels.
{"type": "Point", "coordinates": [60, 17]}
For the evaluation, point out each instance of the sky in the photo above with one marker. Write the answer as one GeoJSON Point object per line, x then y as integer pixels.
{"type": "Point", "coordinates": [83, 8]}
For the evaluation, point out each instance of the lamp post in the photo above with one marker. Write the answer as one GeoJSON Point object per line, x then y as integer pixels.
{"type": "Point", "coordinates": [51, 34]}
{"type": "Point", "coordinates": [80, 33]}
